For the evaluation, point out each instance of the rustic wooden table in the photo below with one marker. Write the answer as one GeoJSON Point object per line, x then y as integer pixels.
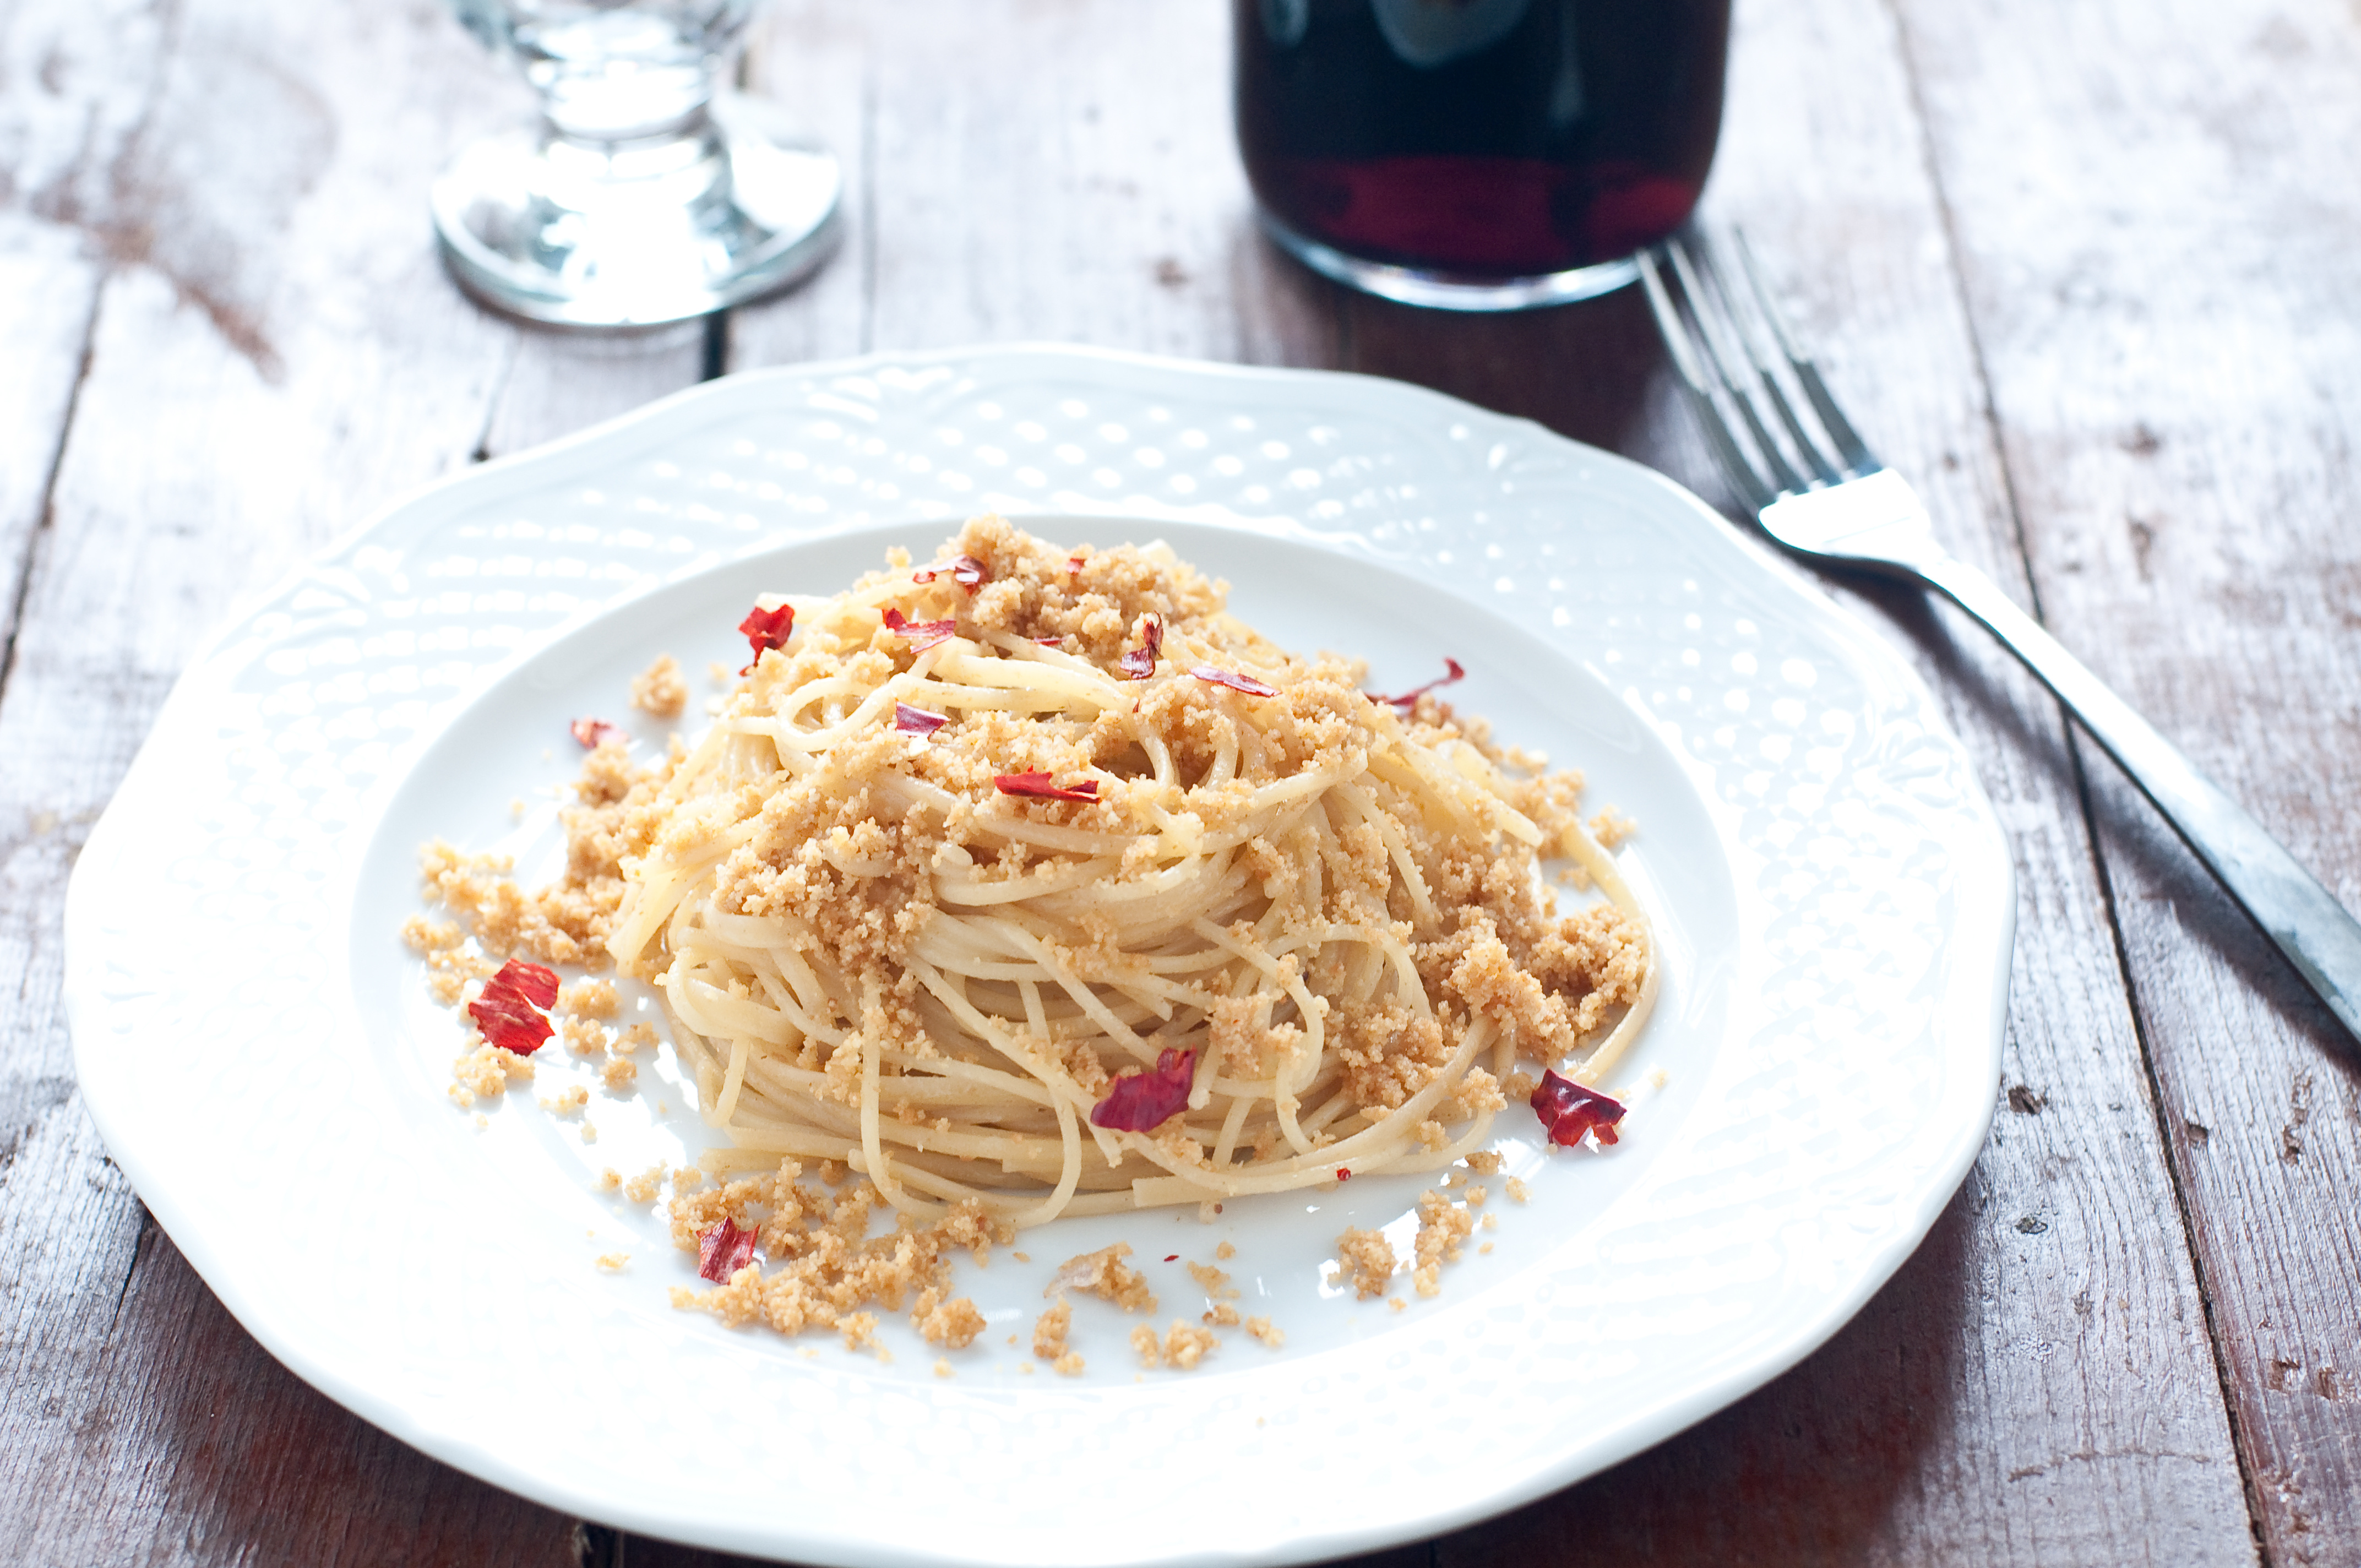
{"type": "Point", "coordinates": [2087, 270]}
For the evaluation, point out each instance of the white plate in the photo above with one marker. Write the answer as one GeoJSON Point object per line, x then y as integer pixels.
{"type": "Point", "coordinates": [1831, 889]}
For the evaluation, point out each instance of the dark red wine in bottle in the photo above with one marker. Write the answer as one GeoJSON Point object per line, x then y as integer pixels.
{"type": "Point", "coordinates": [1482, 139]}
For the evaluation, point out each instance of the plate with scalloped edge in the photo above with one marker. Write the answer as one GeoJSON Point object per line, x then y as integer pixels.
{"type": "Point", "coordinates": [1829, 892]}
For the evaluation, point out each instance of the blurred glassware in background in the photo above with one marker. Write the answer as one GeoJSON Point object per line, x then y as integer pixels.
{"type": "Point", "coordinates": [1478, 154]}
{"type": "Point", "coordinates": [642, 196]}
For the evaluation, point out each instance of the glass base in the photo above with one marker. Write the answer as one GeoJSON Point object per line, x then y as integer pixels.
{"type": "Point", "coordinates": [639, 234]}
{"type": "Point", "coordinates": [1448, 291]}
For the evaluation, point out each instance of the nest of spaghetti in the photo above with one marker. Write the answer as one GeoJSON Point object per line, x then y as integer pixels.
{"type": "Point", "coordinates": [1035, 878]}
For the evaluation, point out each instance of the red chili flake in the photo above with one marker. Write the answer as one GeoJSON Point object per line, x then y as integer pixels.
{"type": "Point", "coordinates": [965, 570]}
{"type": "Point", "coordinates": [1075, 564]}
{"type": "Point", "coordinates": [1569, 1110]}
{"type": "Point", "coordinates": [1141, 662]}
{"type": "Point", "coordinates": [1234, 681]}
{"type": "Point", "coordinates": [596, 732]}
{"type": "Point", "coordinates": [1140, 1102]}
{"type": "Point", "coordinates": [923, 634]}
{"type": "Point", "coordinates": [1038, 786]}
{"type": "Point", "coordinates": [917, 720]}
{"type": "Point", "coordinates": [1171, 1258]}
{"type": "Point", "coordinates": [1050, 641]}
{"type": "Point", "coordinates": [508, 1010]}
{"type": "Point", "coordinates": [1343, 1173]}
{"type": "Point", "coordinates": [723, 1249]}
{"type": "Point", "coordinates": [1411, 697]}
{"type": "Point", "coordinates": [766, 630]}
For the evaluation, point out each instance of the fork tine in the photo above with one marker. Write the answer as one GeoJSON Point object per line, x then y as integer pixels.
{"type": "Point", "coordinates": [1858, 458]}
{"type": "Point", "coordinates": [1755, 492]}
{"type": "Point", "coordinates": [1746, 325]}
{"type": "Point", "coordinates": [1709, 332]}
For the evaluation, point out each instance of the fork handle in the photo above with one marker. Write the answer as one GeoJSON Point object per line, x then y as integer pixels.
{"type": "Point", "coordinates": [2316, 933]}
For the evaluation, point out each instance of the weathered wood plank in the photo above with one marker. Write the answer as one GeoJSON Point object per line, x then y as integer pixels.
{"type": "Point", "coordinates": [2035, 1385]}
{"type": "Point", "coordinates": [1056, 171]}
{"type": "Point", "coordinates": [276, 352]}
{"type": "Point", "coordinates": [2154, 207]}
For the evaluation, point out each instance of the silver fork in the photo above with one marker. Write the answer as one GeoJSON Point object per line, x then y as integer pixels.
{"type": "Point", "coordinates": [1825, 497]}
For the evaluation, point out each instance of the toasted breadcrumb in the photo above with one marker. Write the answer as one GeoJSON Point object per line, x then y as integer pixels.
{"type": "Point", "coordinates": [1144, 1340]}
{"type": "Point", "coordinates": [1476, 1196]}
{"type": "Point", "coordinates": [1518, 1192]}
{"type": "Point", "coordinates": [1490, 1222]}
{"type": "Point", "coordinates": [1366, 1259]}
{"type": "Point", "coordinates": [1485, 1248]}
{"type": "Point", "coordinates": [636, 1037]}
{"type": "Point", "coordinates": [1185, 1344]}
{"type": "Point", "coordinates": [661, 689]}
{"type": "Point", "coordinates": [619, 1074]}
{"type": "Point", "coordinates": [590, 1133]}
{"type": "Point", "coordinates": [1068, 1366]}
{"type": "Point", "coordinates": [610, 1180]}
{"type": "Point", "coordinates": [583, 1037]}
{"type": "Point", "coordinates": [1262, 1329]}
{"type": "Point", "coordinates": [643, 1187]}
{"type": "Point", "coordinates": [1213, 1281]}
{"type": "Point", "coordinates": [942, 1367]}
{"type": "Point", "coordinates": [1221, 1315]}
{"type": "Point", "coordinates": [1485, 1162]}
{"type": "Point", "coordinates": [567, 1100]}
{"type": "Point", "coordinates": [1442, 1226]}
{"type": "Point", "coordinates": [859, 1330]}
{"type": "Point", "coordinates": [1225, 1251]}
{"type": "Point", "coordinates": [1397, 1304]}
{"type": "Point", "coordinates": [485, 1071]}
{"type": "Point", "coordinates": [1104, 1272]}
{"type": "Point", "coordinates": [611, 1261]}
{"type": "Point", "coordinates": [1049, 1330]}
{"type": "Point", "coordinates": [954, 1323]}
{"type": "Point", "coordinates": [1022, 1256]}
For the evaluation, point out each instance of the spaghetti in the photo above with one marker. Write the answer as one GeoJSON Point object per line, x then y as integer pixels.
{"type": "Point", "coordinates": [975, 854]}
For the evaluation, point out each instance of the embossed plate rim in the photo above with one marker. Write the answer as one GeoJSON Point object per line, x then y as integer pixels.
{"type": "Point", "coordinates": [1814, 1264]}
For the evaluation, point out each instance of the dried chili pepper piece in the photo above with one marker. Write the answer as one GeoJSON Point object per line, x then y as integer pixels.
{"type": "Point", "coordinates": [765, 630]}
{"type": "Point", "coordinates": [1569, 1110]}
{"type": "Point", "coordinates": [509, 1009]}
{"type": "Point", "coordinates": [594, 733]}
{"type": "Point", "coordinates": [723, 1249]}
{"type": "Point", "coordinates": [1037, 786]}
{"type": "Point", "coordinates": [1142, 1100]}
{"type": "Point", "coordinates": [1141, 662]}
{"type": "Point", "coordinates": [1236, 682]}
{"type": "Point", "coordinates": [1453, 672]}
{"type": "Point", "coordinates": [965, 570]}
{"type": "Point", "coordinates": [922, 634]}
{"type": "Point", "coordinates": [917, 720]}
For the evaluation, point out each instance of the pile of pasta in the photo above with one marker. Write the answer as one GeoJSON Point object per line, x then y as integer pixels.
{"type": "Point", "coordinates": [986, 863]}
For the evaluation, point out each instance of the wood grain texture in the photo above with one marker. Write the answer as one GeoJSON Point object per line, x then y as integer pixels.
{"type": "Point", "coordinates": [1060, 169]}
{"type": "Point", "coordinates": [2035, 1385]}
{"type": "Point", "coordinates": [275, 353]}
{"type": "Point", "coordinates": [2155, 210]}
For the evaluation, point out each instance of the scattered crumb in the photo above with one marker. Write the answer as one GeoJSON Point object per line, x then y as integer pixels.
{"type": "Point", "coordinates": [619, 1074]}
{"type": "Point", "coordinates": [1484, 1162]}
{"type": "Point", "coordinates": [687, 1178]}
{"type": "Point", "coordinates": [1476, 1196]}
{"type": "Point", "coordinates": [589, 1134]}
{"type": "Point", "coordinates": [1021, 1257]}
{"type": "Point", "coordinates": [1262, 1329]}
{"type": "Point", "coordinates": [567, 1100]}
{"type": "Point", "coordinates": [1397, 1303]}
{"type": "Point", "coordinates": [611, 1261]}
{"type": "Point", "coordinates": [1485, 1248]}
{"type": "Point", "coordinates": [484, 1073]}
{"type": "Point", "coordinates": [1221, 1315]}
{"type": "Point", "coordinates": [1025, 1367]}
{"type": "Point", "coordinates": [942, 1367]}
{"type": "Point", "coordinates": [1104, 1272]}
{"type": "Point", "coordinates": [1518, 1190]}
{"type": "Point", "coordinates": [1491, 1222]}
{"type": "Point", "coordinates": [1658, 1077]}
{"type": "Point", "coordinates": [1442, 1226]}
{"type": "Point", "coordinates": [482, 1120]}
{"type": "Point", "coordinates": [1521, 1086]}
{"type": "Point", "coordinates": [643, 1187]}
{"type": "Point", "coordinates": [954, 1323]}
{"type": "Point", "coordinates": [1143, 1340]}
{"type": "Point", "coordinates": [1366, 1259]}
{"type": "Point", "coordinates": [1068, 1366]}
{"type": "Point", "coordinates": [1185, 1344]}
{"type": "Point", "coordinates": [1213, 1281]}
{"type": "Point", "coordinates": [585, 1038]}
{"type": "Point", "coordinates": [1049, 1330]}
{"type": "Point", "coordinates": [661, 689]}
{"type": "Point", "coordinates": [637, 1037]}
{"type": "Point", "coordinates": [593, 998]}
{"type": "Point", "coordinates": [610, 1180]}
{"type": "Point", "coordinates": [1225, 1251]}
{"type": "Point", "coordinates": [859, 1329]}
